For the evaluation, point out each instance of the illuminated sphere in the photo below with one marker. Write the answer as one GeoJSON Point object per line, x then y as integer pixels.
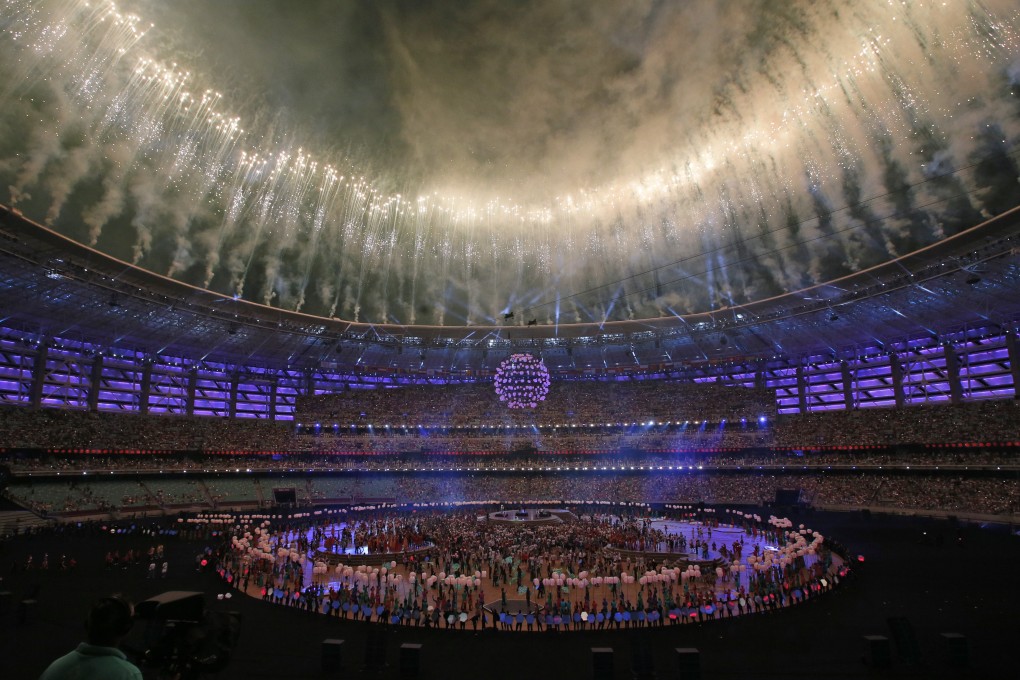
{"type": "Point", "coordinates": [522, 381]}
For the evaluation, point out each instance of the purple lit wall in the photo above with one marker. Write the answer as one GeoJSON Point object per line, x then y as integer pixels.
{"type": "Point", "coordinates": [128, 381]}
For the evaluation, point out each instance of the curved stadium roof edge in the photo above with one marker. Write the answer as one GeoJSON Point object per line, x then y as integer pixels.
{"type": "Point", "coordinates": [826, 295]}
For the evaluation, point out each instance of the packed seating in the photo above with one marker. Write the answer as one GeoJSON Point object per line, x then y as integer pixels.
{"type": "Point", "coordinates": [567, 403]}
{"type": "Point", "coordinates": [971, 458]}
{"type": "Point", "coordinates": [634, 460]}
{"type": "Point", "coordinates": [63, 429]}
{"type": "Point", "coordinates": [983, 421]}
{"type": "Point", "coordinates": [673, 438]}
{"type": "Point", "coordinates": [69, 431]}
{"type": "Point", "coordinates": [921, 491]}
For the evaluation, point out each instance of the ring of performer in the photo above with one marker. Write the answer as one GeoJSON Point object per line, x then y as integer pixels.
{"type": "Point", "coordinates": [671, 571]}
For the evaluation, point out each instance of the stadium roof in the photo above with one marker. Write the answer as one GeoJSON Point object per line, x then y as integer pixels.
{"type": "Point", "coordinates": [56, 288]}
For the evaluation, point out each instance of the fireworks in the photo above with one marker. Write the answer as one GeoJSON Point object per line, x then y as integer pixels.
{"type": "Point", "coordinates": [771, 192]}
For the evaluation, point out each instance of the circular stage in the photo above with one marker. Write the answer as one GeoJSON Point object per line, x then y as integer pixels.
{"type": "Point", "coordinates": [529, 517]}
{"type": "Point", "coordinates": [643, 572]}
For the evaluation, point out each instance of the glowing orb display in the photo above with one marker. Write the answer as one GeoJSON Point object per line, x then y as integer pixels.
{"type": "Point", "coordinates": [522, 381]}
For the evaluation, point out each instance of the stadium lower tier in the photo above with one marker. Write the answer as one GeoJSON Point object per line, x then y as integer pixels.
{"type": "Point", "coordinates": [986, 493]}
{"type": "Point", "coordinates": [959, 457]}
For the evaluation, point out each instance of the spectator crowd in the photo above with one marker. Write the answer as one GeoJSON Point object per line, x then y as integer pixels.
{"type": "Point", "coordinates": [946, 492]}
{"type": "Point", "coordinates": [844, 458]}
{"type": "Point", "coordinates": [70, 431]}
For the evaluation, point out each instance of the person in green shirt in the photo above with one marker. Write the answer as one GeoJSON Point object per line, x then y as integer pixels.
{"type": "Point", "coordinates": [98, 658]}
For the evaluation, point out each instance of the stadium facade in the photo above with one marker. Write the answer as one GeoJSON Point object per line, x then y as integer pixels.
{"type": "Point", "coordinates": [80, 329]}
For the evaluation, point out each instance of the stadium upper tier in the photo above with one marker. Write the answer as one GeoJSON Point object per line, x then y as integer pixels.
{"type": "Point", "coordinates": [55, 289]}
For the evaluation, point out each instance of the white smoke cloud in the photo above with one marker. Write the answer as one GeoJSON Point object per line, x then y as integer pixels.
{"type": "Point", "coordinates": [44, 145]}
{"type": "Point", "coordinates": [618, 138]}
{"type": "Point", "coordinates": [73, 166]}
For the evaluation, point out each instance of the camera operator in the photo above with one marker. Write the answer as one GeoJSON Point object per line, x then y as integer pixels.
{"type": "Point", "coordinates": [98, 658]}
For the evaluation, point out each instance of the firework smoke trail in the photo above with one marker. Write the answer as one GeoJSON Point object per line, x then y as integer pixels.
{"type": "Point", "coordinates": [890, 102]}
{"type": "Point", "coordinates": [421, 220]}
{"type": "Point", "coordinates": [301, 176]}
{"type": "Point", "coordinates": [342, 231]}
{"type": "Point", "coordinates": [391, 252]}
{"type": "Point", "coordinates": [325, 196]}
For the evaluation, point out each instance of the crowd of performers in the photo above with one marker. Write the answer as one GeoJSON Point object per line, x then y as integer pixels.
{"type": "Point", "coordinates": [455, 570]}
